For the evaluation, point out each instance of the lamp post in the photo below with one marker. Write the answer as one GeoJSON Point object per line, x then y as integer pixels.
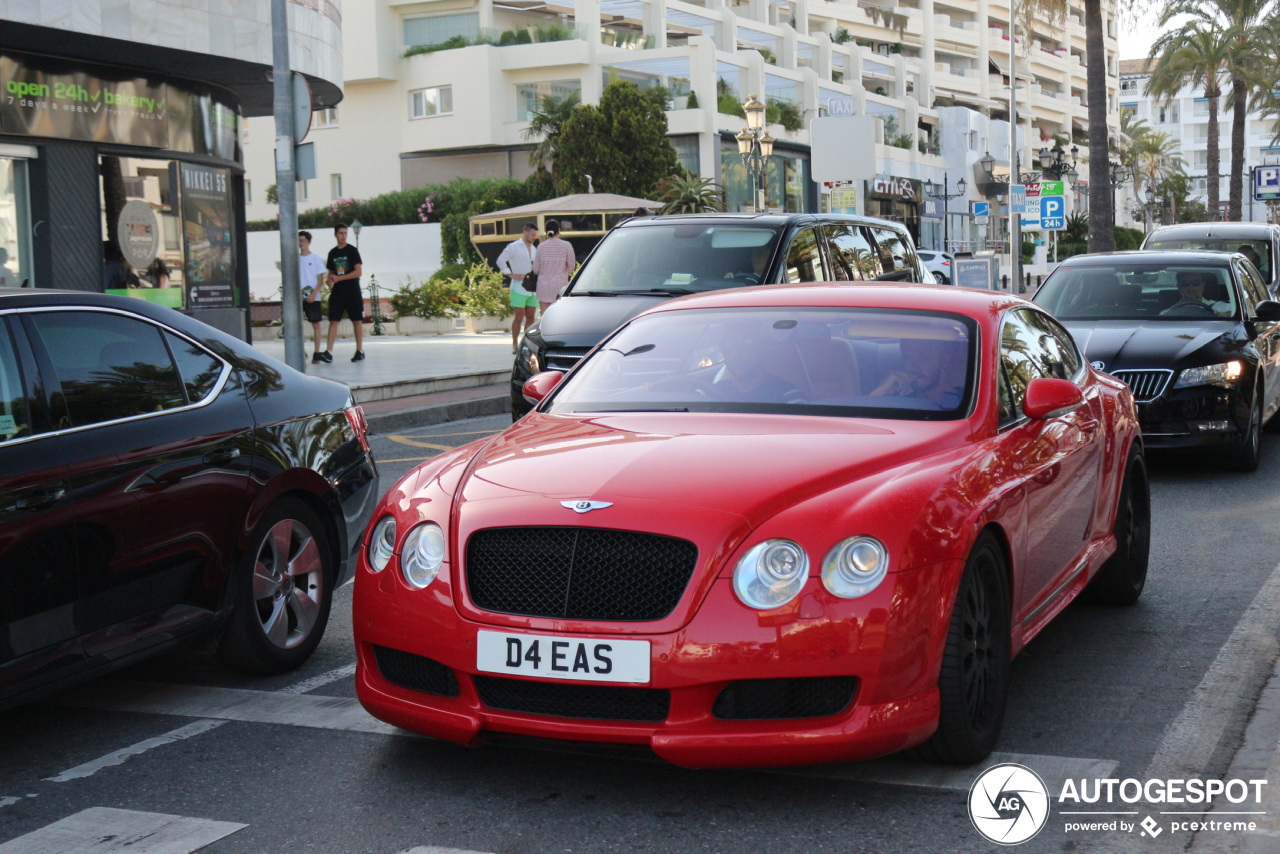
{"type": "Point", "coordinates": [756, 147]}
{"type": "Point", "coordinates": [356, 225]}
{"type": "Point", "coordinates": [1053, 163]}
{"type": "Point", "coordinates": [946, 196]}
{"type": "Point", "coordinates": [1118, 173]}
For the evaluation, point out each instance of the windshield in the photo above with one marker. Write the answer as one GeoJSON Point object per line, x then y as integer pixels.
{"type": "Point", "coordinates": [678, 258]}
{"type": "Point", "coordinates": [864, 362]}
{"type": "Point", "coordinates": [1257, 251]}
{"type": "Point", "coordinates": [1128, 291]}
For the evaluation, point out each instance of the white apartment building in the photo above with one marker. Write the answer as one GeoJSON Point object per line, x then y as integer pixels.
{"type": "Point", "coordinates": [1185, 118]}
{"type": "Point", "coordinates": [936, 72]}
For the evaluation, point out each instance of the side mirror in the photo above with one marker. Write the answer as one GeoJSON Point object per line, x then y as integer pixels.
{"type": "Point", "coordinates": [1049, 398]}
{"type": "Point", "coordinates": [1268, 309]}
{"type": "Point", "coordinates": [540, 385]}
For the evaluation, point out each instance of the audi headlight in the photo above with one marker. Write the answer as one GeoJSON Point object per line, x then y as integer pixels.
{"type": "Point", "coordinates": [422, 555]}
{"type": "Point", "coordinates": [382, 545]}
{"type": "Point", "coordinates": [1225, 374]}
{"type": "Point", "coordinates": [855, 567]}
{"type": "Point", "coordinates": [770, 574]}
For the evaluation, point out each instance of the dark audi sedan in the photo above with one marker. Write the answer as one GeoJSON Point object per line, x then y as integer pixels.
{"type": "Point", "coordinates": [1194, 334]}
{"type": "Point", "coordinates": [159, 482]}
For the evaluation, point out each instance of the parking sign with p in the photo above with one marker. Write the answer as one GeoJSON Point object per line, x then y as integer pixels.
{"type": "Point", "coordinates": [1266, 182]}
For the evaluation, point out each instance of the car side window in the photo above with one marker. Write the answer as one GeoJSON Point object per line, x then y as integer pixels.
{"type": "Point", "coordinates": [1059, 356]}
{"type": "Point", "coordinates": [15, 410]}
{"type": "Point", "coordinates": [1022, 359]}
{"type": "Point", "coordinates": [852, 254]}
{"type": "Point", "coordinates": [1255, 291]}
{"type": "Point", "coordinates": [804, 258]}
{"type": "Point", "coordinates": [198, 370]}
{"type": "Point", "coordinates": [897, 256]}
{"type": "Point", "coordinates": [109, 366]}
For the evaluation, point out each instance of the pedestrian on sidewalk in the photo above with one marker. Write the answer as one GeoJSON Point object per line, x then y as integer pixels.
{"type": "Point", "coordinates": [345, 267]}
{"type": "Point", "coordinates": [554, 265]}
{"type": "Point", "coordinates": [516, 261]}
{"type": "Point", "coordinates": [311, 276]}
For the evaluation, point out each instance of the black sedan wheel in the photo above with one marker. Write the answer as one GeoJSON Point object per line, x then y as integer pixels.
{"type": "Point", "coordinates": [974, 680]}
{"type": "Point", "coordinates": [1247, 455]}
{"type": "Point", "coordinates": [282, 592]}
{"type": "Point", "coordinates": [1122, 577]}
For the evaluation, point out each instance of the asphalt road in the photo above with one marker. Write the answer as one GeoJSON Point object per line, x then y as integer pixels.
{"type": "Point", "coordinates": [187, 754]}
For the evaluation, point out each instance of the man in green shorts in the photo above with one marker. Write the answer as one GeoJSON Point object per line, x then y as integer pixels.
{"type": "Point", "coordinates": [516, 261]}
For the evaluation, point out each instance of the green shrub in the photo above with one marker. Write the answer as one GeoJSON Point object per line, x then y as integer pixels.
{"type": "Point", "coordinates": [440, 298]}
{"type": "Point", "coordinates": [693, 101]}
{"type": "Point", "coordinates": [482, 291]}
{"type": "Point", "coordinates": [452, 270]}
{"type": "Point", "coordinates": [1128, 238]}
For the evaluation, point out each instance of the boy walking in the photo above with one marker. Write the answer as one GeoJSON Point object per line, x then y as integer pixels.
{"type": "Point", "coordinates": [345, 267]}
{"type": "Point", "coordinates": [311, 274]}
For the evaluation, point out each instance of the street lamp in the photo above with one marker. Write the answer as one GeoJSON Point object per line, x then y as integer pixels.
{"type": "Point", "coordinates": [1118, 173]}
{"type": "Point", "coordinates": [1053, 163]}
{"type": "Point", "coordinates": [756, 147]}
{"type": "Point", "coordinates": [356, 225]}
{"type": "Point", "coordinates": [946, 196]}
{"type": "Point", "coordinates": [988, 164]}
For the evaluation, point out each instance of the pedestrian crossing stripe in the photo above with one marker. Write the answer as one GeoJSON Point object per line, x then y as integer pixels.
{"type": "Point", "coordinates": [101, 830]}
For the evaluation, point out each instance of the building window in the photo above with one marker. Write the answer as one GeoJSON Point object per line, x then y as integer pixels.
{"type": "Point", "coordinates": [302, 191]}
{"type": "Point", "coordinates": [686, 151]}
{"type": "Point", "coordinates": [1168, 114]}
{"type": "Point", "coordinates": [436, 101]}
{"type": "Point", "coordinates": [440, 28]}
{"type": "Point", "coordinates": [335, 186]}
{"type": "Point", "coordinates": [530, 95]}
{"type": "Point", "coordinates": [326, 118]}
{"type": "Point", "coordinates": [248, 190]}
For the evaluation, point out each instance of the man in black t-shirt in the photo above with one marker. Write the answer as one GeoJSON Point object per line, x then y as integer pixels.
{"type": "Point", "coordinates": [344, 267]}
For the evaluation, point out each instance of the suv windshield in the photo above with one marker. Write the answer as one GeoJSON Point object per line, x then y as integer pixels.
{"type": "Point", "coordinates": [1257, 251]}
{"type": "Point", "coordinates": [1128, 291]}
{"type": "Point", "coordinates": [868, 363]}
{"type": "Point", "coordinates": [678, 258]}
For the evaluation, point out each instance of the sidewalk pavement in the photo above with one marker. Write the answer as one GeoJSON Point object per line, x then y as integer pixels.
{"type": "Point", "coordinates": [413, 381]}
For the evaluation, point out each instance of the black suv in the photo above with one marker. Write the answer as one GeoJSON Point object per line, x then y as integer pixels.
{"type": "Point", "coordinates": [646, 260]}
{"type": "Point", "coordinates": [1260, 237]}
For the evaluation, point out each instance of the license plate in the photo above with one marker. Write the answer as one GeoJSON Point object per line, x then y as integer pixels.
{"type": "Point", "coordinates": [559, 657]}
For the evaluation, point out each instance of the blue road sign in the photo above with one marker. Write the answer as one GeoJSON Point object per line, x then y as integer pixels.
{"type": "Point", "coordinates": [1018, 198]}
{"type": "Point", "coordinates": [1266, 182]}
{"type": "Point", "coordinates": [981, 212]}
{"type": "Point", "coordinates": [1053, 213]}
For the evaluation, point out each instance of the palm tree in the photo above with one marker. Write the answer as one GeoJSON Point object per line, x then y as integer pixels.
{"type": "Point", "coordinates": [690, 194]}
{"type": "Point", "coordinates": [1246, 29]}
{"type": "Point", "coordinates": [546, 122]}
{"type": "Point", "coordinates": [1155, 157]}
{"type": "Point", "coordinates": [1196, 56]}
{"type": "Point", "coordinates": [1102, 216]}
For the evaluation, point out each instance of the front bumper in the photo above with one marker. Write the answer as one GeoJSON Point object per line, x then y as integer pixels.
{"type": "Point", "coordinates": [1197, 417]}
{"type": "Point", "coordinates": [889, 643]}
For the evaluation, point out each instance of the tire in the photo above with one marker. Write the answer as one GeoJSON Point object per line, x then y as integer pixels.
{"type": "Point", "coordinates": [1122, 577]}
{"type": "Point", "coordinates": [973, 683]}
{"type": "Point", "coordinates": [1246, 456]}
{"type": "Point", "coordinates": [282, 591]}
{"type": "Point", "coordinates": [940, 278]}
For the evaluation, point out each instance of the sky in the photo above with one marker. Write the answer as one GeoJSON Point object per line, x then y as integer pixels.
{"type": "Point", "coordinates": [1136, 37]}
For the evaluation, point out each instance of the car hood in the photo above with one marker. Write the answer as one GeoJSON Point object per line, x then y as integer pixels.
{"type": "Point", "coordinates": [582, 321]}
{"type": "Point", "coordinates": [1120, 344]}
{"type": "Point", "coordinates": [748, 467]}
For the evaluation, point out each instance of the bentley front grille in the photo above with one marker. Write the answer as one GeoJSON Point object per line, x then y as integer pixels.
{"type": "Point", "coordinates": [578, 573]}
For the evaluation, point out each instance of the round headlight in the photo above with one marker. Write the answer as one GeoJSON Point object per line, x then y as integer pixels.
{"type": "Point", "coordinates": [382, 545]}
{"type": "Point", "coordinates": [422, 555]}
{"type": "Point", "coordinates": [855, 567]}
{"type": "Point", "coordinates": [771, 574]}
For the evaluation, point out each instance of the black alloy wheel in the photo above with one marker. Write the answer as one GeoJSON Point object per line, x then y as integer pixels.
{"type": "Point", "coordinates": [1123, 576]}
{"type": "Point", "coordinates": [1247, 455]}
{"type": "Point", "coordinates": [973, 684]}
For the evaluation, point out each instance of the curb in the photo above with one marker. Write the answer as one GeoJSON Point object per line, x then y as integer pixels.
{"type": "Point", "coordinates": [438, 413]}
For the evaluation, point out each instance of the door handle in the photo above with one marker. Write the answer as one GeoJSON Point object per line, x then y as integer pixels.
{"type": "Point", "coordinates": [40, 499]}
{"type": "Point", "coordinates": [1089, 425]}
{"type": "Point", "coordinates": [220, 457]}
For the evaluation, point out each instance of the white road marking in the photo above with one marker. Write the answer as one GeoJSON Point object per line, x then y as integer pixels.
{"type": "Point", "coordinates": [433, 849]}
{"type": "Point", "coordinates": [119, 757]}
{"type": "Point", "coordinates": [100, 830]}
{"type": "Point", "coordinates": [6, 801]}
{"type": "Point", "coordinates": [1192, 739]}
{"type": "Point", "coordinates": [1054, 770]}
{"type": "Point", "coordinates": [319, 681]}
{"type": "Point", "coordinates": [230, 704]}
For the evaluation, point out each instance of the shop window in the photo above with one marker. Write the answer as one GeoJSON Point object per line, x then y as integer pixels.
{"type": "Point", "coordinates": [15, 228]}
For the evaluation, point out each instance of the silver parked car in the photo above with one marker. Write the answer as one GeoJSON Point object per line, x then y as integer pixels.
{"type": "Point", "coordinates": [938, 263]}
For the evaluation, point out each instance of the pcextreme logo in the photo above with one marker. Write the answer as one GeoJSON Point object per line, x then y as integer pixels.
{"type": "Point", "coordinates": [1009, 804]}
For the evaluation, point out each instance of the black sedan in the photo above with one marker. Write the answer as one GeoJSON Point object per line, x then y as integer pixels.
{"type": "Point", "coordinates": [161, 481]}
{"type": "Point", "coordinates": [1194, 334]}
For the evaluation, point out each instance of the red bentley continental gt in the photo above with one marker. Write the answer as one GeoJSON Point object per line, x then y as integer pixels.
{"type": "Point", "coordinates": [768, 526]}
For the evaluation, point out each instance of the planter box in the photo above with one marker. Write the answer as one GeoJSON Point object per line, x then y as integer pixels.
{"type": "Point", "coordinates": [424, 325]}
{"type": "Point", "coordinates": [488, 323]}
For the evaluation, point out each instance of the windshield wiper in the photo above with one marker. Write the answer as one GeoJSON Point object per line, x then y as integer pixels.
{"type": "Point", "coordinates": [674, 292]}
{"type": "Point", "coordinates": [592, 293]}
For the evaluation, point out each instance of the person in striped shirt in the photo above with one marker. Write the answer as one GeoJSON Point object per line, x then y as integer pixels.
{"type": "Point", "coordinates": [554, 265]}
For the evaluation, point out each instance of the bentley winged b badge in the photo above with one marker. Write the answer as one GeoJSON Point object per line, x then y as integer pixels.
{"type": "Point", "coordinates": [584, 506]}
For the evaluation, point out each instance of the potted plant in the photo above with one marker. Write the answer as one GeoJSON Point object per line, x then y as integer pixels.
{"type": "Point", "coordinates": [429, 307]}
{"type": "Point", "coordinates": [485, 302]}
